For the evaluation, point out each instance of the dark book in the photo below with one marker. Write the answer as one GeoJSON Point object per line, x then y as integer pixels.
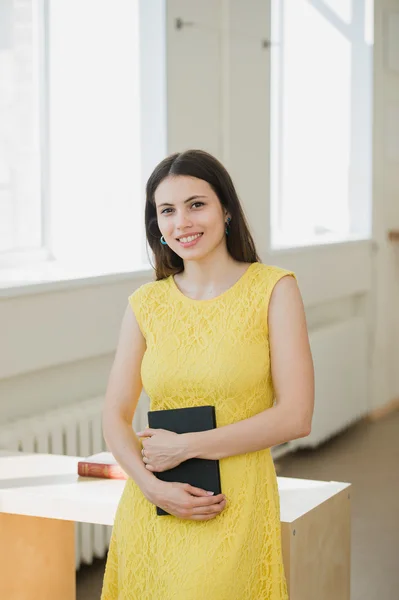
{"type": "Point", "coordinates": [198, 472]}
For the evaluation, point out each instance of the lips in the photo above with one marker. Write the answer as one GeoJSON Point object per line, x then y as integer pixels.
{"type": "Point", "coordinates": [191, 235]}
{"type": "Point", "coordinates": [192, 240]}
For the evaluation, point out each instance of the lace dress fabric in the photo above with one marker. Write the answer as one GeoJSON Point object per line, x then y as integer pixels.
{"type": "Point", "coordinates": [205, 352]}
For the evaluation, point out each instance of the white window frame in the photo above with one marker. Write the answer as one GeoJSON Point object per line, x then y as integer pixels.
{"type": "Point", "coordinates": [17, 257]}
{"type": "Point", "coordinates": [31, 267]}
{"type": "Point", "coordinates": [278, 242]}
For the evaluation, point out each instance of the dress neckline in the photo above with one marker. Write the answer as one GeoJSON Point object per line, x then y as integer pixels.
{"type": "Point", "coordinates": [240, 280]}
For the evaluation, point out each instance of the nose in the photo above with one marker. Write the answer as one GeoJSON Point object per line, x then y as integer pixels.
{"type": "Point", "coordinates": [182, 220]}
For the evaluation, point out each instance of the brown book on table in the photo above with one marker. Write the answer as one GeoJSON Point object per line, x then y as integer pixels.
{"type": "Point", "coordinates": [102, 465]}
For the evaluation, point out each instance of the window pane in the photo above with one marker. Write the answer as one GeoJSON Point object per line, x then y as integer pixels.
{"type": "Point", "coordinates": [20, 178]}
{"type": "Point", "coordinates": [95, 166]}
{"type": "Point", "coordinates": [321, 86]}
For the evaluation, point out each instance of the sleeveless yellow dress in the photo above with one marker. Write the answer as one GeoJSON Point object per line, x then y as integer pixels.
{"type": "Point", "coordinates": [205, 352]}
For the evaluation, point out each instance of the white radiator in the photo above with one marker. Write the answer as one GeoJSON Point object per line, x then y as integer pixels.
{"type": "Point", "coordinates": [340, 354]}
{"type": "Point", "coordinates": [74, 430]}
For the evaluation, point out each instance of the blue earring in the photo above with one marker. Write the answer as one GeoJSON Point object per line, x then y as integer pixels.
{"type": "Point", "coordinates": [227, 230]}
{"type": "Point", "coordinates": [163, 241]}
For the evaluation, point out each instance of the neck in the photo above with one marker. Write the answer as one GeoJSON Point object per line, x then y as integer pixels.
{"type": "Point", "coordinates": [210, 274]}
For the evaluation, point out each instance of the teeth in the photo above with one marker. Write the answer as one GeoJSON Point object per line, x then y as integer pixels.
{"type": "Point", "coordinates": [185, 240]}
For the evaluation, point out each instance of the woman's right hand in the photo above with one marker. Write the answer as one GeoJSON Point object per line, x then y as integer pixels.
{"type": "Point", "coordinates": [187, 502]}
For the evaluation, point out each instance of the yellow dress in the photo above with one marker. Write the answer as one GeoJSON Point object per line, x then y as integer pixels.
{"type": "Point", "coordinates": [205, 352]}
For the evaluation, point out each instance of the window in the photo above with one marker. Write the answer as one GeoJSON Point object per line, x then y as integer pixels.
{"type": "Point", "coordinates": [321, 121]}
{"type": "Point", "coordinates": [78, 193]}
{"type": "Point", "coordinates": [20, 168]}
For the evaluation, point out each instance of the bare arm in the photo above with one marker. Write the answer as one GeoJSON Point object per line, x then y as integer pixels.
{"type": "Point", "coordinates": [123, 392]}
{"type": "Point", "coordinates": [122, 395]}
{"type": "Point", "coordinates": [293, 380]}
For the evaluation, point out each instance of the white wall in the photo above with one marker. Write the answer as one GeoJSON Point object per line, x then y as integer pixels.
{"type": "Point", "coordinates": [56, 346]}
{"type": "Point", "coordinates": [385, 333]}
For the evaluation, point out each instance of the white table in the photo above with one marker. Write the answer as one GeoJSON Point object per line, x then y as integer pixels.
{"type": "Point", "coordinates": [41, 497]}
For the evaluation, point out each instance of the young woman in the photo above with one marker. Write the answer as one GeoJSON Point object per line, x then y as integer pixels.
{"type": "Point", "coordinates": [219, 328]}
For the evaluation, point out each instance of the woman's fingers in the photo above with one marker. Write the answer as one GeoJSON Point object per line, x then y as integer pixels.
{"type": "Point", "coordinates": [214, 509]}
{"type": "Point", "coordinates": [195, 491]}
{"type": "Point", "coordinates": [202, 517]}
{"type": "Point", "coordinates": [207, 516]}
{"type": "Point", "coordinates": [188, 502]}
{"type": "Point", "coordinates": [207, 500]}
{"type": "Point", "coordinates": [201, 498]}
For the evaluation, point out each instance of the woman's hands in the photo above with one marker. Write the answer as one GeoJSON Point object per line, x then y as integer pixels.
{"type": "Point", "coordinates": [187, 502]}
{"type": "Point", "coordinates": [163, 450]}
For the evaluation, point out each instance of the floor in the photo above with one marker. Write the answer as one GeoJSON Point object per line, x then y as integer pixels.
{"type": "Point", "coordinates": [366, 455]}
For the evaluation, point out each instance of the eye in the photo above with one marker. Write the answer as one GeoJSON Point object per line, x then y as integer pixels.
{"type": "Point", "coordinates": [197, 204]}
{"type": "Point", "coordinates": [164, 211]}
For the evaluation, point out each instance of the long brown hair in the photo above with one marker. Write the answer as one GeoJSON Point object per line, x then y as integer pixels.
{"type": "Point", "coordinates": [199, 164]}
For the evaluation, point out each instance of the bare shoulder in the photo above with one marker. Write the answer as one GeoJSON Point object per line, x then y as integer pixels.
{"type": "Point", "coordinates": [286, 286]}
{"type": "Point", "coordinates": [131, 342]}
{"type": "Point", "coordinates": [286, 304]}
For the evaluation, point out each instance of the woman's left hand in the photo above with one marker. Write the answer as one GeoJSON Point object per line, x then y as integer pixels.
{"type": "Point", "coordinates": [162, 449]}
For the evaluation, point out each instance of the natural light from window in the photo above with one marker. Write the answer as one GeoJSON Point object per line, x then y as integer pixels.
{"type": "Point", "coordinates": [95, 163]}
{"type": "Point", "coordinates": [81, 127]}
{"type": "Point", "coordinates": [321, 123]}
{"type": "Point", "coordinates": [20, 178]}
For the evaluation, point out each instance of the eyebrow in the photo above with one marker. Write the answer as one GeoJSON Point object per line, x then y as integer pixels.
{"type": "Point", "coordinates": [185, 202]}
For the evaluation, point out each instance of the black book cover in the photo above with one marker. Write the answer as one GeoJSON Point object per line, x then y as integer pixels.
{"type": "Point", "coordinates": [198, 472]}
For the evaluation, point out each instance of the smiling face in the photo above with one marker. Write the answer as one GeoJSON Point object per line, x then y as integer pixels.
{"type": "Point", "coordinates": [190, 216]}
